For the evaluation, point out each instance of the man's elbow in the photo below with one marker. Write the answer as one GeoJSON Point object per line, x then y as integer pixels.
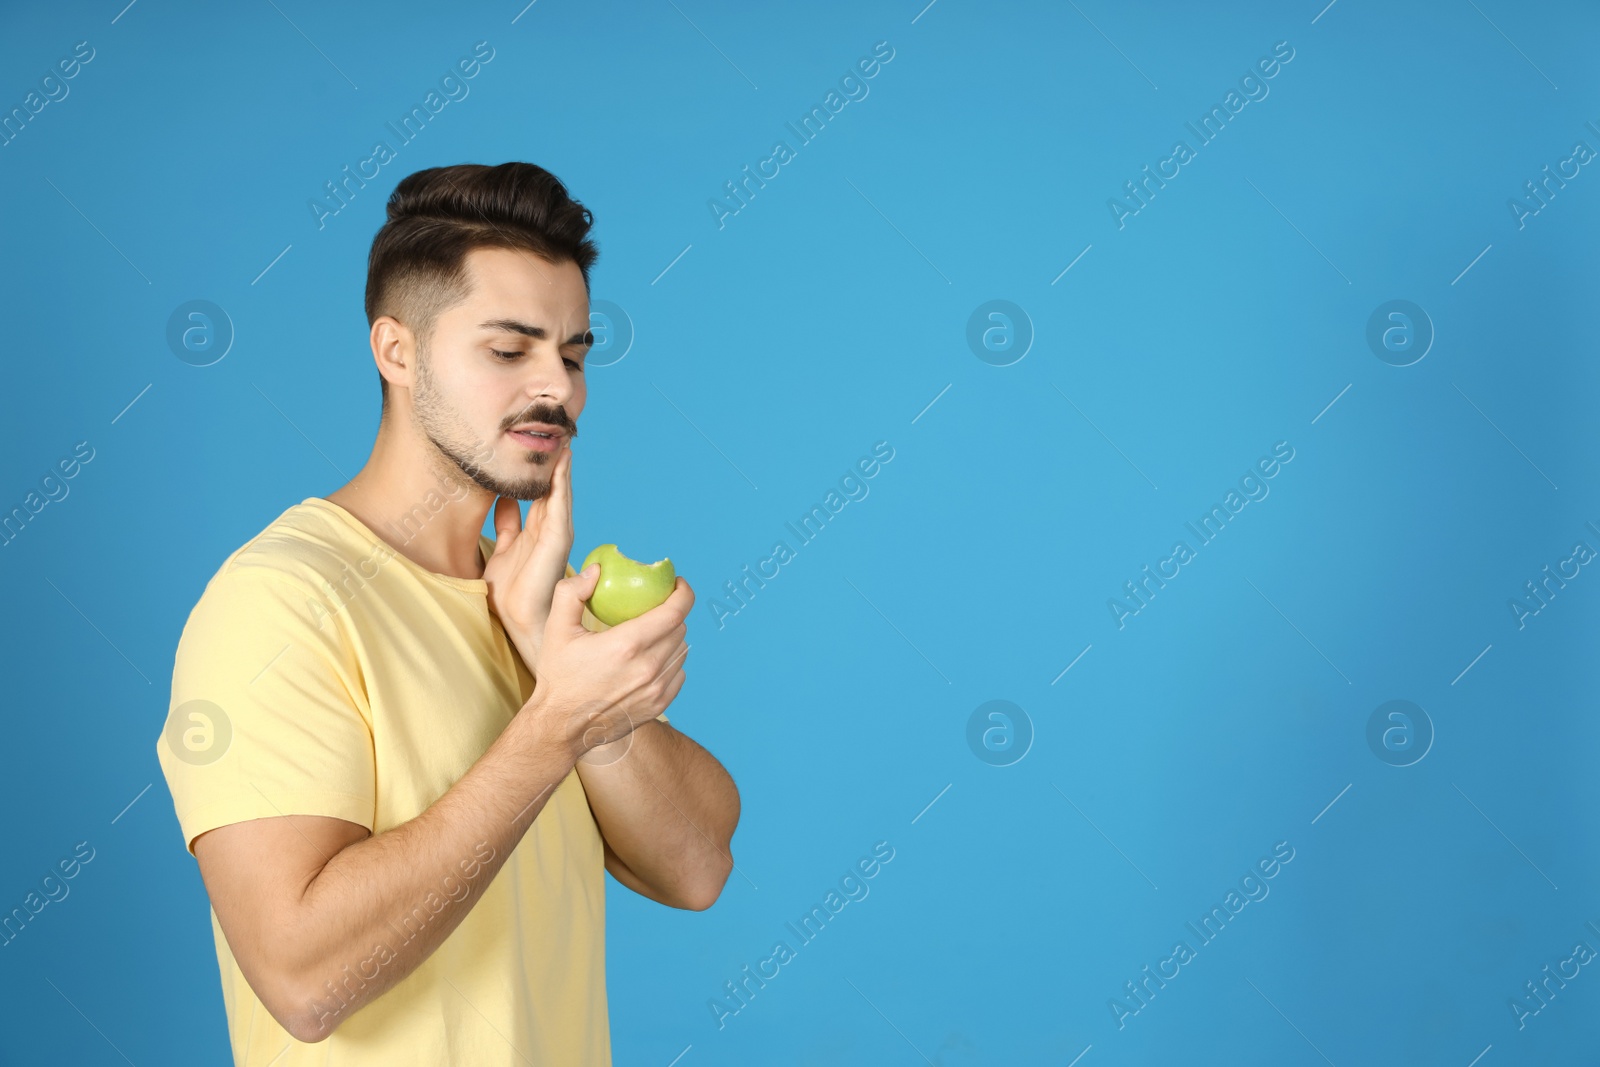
{"type": "Point", "coordinates": [704, 893]}
{"type": "Point", "coordinates": [715, 875]}
{"type": "Point", "coordinates": [302, 1015]}
{"type": "Point", "coordinates": [309, 1024]}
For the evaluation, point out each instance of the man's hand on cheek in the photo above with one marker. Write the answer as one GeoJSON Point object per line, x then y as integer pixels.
{"type": "Point", "coordinates": [529, 559]}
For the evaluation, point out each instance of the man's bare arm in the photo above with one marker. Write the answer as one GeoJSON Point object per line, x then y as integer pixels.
{"type": "Point", "coordinates": [667, 810]}
{"type": "Point", "coordinates": [364, 917]}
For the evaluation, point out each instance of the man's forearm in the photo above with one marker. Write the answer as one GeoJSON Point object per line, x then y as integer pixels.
{"type": "Point", "coordinates": [667, 809]}
{"type": "Point", "coordinates": [380, 907]}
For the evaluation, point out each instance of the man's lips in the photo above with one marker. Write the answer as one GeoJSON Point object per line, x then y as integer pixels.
{"type": "Point", "coordinates": [540, 427]}
{"type": "Point", "coordinates": [532, 440]}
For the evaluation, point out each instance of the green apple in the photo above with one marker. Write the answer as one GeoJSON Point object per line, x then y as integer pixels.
{"type": "Point", "coordinates": [627, 588]}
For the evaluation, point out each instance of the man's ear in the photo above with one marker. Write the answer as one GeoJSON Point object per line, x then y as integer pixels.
{"type": "Point", "coordinates": [393, 350]}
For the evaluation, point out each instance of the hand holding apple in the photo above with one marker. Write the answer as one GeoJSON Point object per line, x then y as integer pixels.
{"type": "Point", "coordinates": [529, 559]}
{"type": "Point", "coordinates": [627, 588]}
{"type": "Point", "coordinates": [595, 688]}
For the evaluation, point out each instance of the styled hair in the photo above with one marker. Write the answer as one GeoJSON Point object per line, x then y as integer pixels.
{"type": "Point", "coordinates": [416, 269]}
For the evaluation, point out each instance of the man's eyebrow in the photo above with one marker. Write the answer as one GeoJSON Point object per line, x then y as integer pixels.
{"type": "Point", "coordinates": [539, 333]}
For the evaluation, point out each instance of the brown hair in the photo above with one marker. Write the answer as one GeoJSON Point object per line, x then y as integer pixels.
{"type": "Point", "coordinates": [417, 267]}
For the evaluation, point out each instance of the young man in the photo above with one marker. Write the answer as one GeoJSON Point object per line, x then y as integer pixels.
{"type": "Point", "coordinates": [402, 753]}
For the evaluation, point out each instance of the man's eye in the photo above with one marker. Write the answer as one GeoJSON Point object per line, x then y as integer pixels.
{"type": "Point", "coordinates": [507, 357]}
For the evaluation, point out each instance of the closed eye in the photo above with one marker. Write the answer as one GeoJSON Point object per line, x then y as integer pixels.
{"type": "Point", "coordinates": [509, 357]}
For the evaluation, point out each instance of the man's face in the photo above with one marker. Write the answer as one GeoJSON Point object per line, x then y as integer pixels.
{"type": "Point", "coordinates": [510, 355]}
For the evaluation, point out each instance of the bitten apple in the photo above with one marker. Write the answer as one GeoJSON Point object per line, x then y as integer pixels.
{"type": "Point", "coordinates": [627, 588]}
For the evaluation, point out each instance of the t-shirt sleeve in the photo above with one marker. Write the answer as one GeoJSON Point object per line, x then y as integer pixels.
{"type": "Point", "coordinates": [268, 713]}
{"type": "Point", "coordinates": [594, 625]}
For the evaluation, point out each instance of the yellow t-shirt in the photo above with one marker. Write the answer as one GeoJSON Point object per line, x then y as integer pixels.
{"type": "Point", "coordinates": [324, 673]}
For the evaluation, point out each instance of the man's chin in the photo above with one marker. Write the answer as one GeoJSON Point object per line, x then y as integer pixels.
{"type": "Point", "coordinates": [532, 493]}
{"type": "Point", "coordinates": [529, 491]}
{"type": "Point", "coordinates": [521, 489]}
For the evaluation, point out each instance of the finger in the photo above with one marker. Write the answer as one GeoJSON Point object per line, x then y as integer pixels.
{"type": "Point", "coordinates": [675, 637]}
{"type": "Point", "coordinates": [680, 600]}
{"type": "Point", "coordinates": [673, 610]}
{"type": "Point", "coordinates": [679, 655]}
{"type": "Point", "coordinates": [552, 507]}
{"type": "Point", "coordinates": [666, 658]}
{"type": "Point", "coordinates": [507, 521]}
{"type": "Point", "coordinates": [673, 686]}
{"type": "Point", "coordinates": [656, 627]}
{"type": "Point", "coordinates": [567, 601]}
{"type": "Point", "coordinates": [561, 486]}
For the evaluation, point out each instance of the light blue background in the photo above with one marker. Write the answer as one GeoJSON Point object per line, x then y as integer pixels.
{"type": "Point", "coordinates": [822, 318]}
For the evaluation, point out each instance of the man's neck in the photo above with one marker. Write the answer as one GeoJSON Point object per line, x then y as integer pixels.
{"type": "Point", "coordinates": [426, 516]}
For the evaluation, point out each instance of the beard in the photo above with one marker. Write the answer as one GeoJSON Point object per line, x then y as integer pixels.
{"type": "Point", "coordinates": [464, 459]}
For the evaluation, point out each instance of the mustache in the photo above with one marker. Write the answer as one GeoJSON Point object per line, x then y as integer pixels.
{"type": "Point", "coordinates": [556, 417]}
